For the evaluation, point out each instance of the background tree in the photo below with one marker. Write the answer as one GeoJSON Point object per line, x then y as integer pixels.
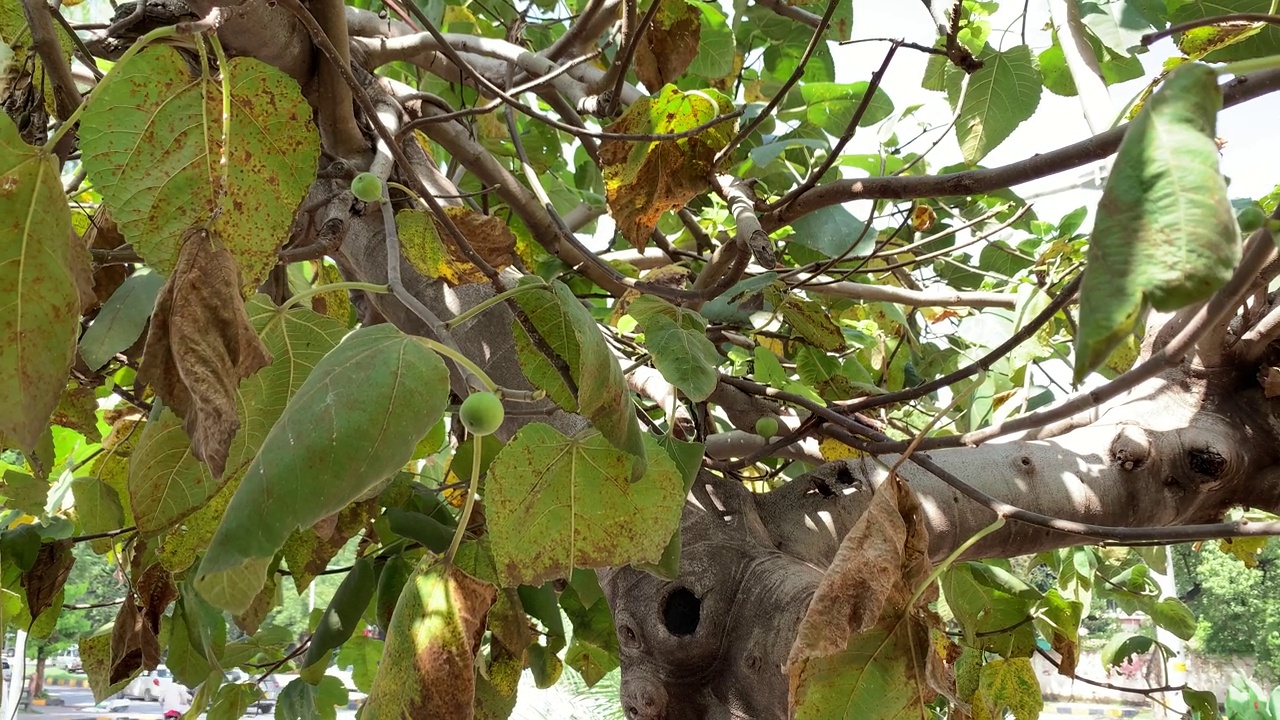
{"type": "Point", "coordinates": [250, 268]}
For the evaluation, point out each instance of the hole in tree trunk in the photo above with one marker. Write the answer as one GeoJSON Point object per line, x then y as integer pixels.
{"type": "Point", "coordinates": [681, 612]}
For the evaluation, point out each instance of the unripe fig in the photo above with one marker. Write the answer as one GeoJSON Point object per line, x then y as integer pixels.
{"type": "Point", "coordinates": [767, 426]}
{"type": "Point", "coordinates": [481, 413]}
{"type": "Point", "coordinates": [367, 187]}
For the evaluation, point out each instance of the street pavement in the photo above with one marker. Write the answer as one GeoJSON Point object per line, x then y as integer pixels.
{"type": "Point", "coordinates": [79, 706]}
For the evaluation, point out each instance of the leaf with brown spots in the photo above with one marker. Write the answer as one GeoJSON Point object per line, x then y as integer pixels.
{"type": "Point", "coordinates": [46, 577]}
{"type": "Point", "coordinates": [201, 345]}
{"type": "Point", "coordinates": [308, 551]}
{"type": "Point", "coordinates": [642, 180]}
{"type": "Point", "coordinates": [39, 306]}
{"type": "Point", "coordinates": [78, 410]}
{"type": "Point", "coordinates": [432, 252]}
{"type": "Point", "coordinates": [670, 43]}
{"type": "Point", "coordinates": [152, 140]}
{"type": "Point", "coordinates": [428, 661]}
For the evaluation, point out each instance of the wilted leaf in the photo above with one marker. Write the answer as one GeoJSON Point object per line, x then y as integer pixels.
{"type": "Point", "coordinates": [166, 482]}
{"type": "Point", "coordinates": [121, 320]}
{"type": "Point", "coordinates": [645, 179]}
{"type": "Point", "coordinates": [555, 503]}
{"type": "Point", "coordinates": [48, 575]}
{"type": "Point", "coordinates": [135, 636]}
{"type": "Point", "coordinates": [95, 653]}
{"type": "Point", "coordinates": [352, 425]}
{"type": "Point", "coordinates": [39, 305]}
{"type": "Point", "coordinates": [201, 346]}
{"type": "Point", "coordinates": [669, 45]}
{"type": "Point", "coordinates": [427, 666]}
{"type": "Point", "coordinates": [1003, 93]}
{"type": "Point", "coordinates": [1010, 684]}
{"type": "Point", "coordinates": [1166, 234]}
{"type": "Point", "coordinates": [151, 136]}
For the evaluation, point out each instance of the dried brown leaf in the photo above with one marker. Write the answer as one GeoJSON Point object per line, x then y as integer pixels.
{"type": "Point", "coordinates": [670, 44]}
{"type": "Point", "coordinates": [104, 235]}
{"type": "Point", "coordinates": [135, 642]}
{"type": "Point", "coordinates": [47, 576]}
{"type": "Point", "coordinates": [201, 345]}
{"type": "Point", "coordinates": [879, 564]}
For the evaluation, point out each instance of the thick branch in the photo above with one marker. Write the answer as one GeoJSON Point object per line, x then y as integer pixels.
{"type": "Point", "coordinates": [338, 129]}
{"type": "Point", "coordinates": [45, 40]}
{"type": "Point", "coordinates": [977, 182]}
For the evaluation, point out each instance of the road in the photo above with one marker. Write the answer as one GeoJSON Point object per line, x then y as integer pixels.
{"type": "Point", "coordinates": [79, 702]}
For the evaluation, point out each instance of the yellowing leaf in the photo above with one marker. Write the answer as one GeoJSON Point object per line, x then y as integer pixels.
{"type": "Point", "coordinates": [432, 252]}
{"type": "Point", "coordinates": [1010, 684]}
{"type": "Point", "coordinates": [645, 179]}
{"type": "Point", "coordinates": [1245, 549]}
{"type": "Point", "coordinates": [39, 305]}
{"type": "Point", "coordinates": [669, 45]}
{"type": "Point", "coordinates": [833, 450]}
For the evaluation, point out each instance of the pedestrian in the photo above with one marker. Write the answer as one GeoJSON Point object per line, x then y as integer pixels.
{"type": "Point", "coordinates": [173, 700]}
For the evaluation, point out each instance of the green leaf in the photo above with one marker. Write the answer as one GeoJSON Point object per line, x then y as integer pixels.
{"type": "Point", "coordinates": [121, 320]}
{"type": "Point", "coordinates": [1010, 684]}
{"type": "Point", "coordinates": [991, 619]}
{"type": "Point", "coordinates": [716, 51]}
{"type": "Point", "coordinates": [881, 668]}
{"type": "Point", "coordinates": [98, 507]}
{"type": "Point", "coordinates": [540, 370]}
{"type": "Point", "coordinates": [1202, 702]}
{"type": "Point", "coordinates": [24, 492]}
{"type": "Point", "coordinates": [1165, 233]}
{"type": "Point", "coordinates": [594, 650]}
{"type": "Point", "coordinates": [152, 134]}
{"type": "Point", "coordinates": [352, 424]}
{"type": "Point", "coordinates": [341, 616]}
{"type": "Point", "coordinates": [39, 305]}
{"type": "Point", "coordinates": [555, 503]}
{"type": "Point", "coordinates": [1118, 24]}
{"type": "Point", "coordinates": [1173, 615]}
{"type": "Point", "coordinates": [603, 397]}
{"type": "Point", "coordinates": [686, 359]}
{"type": "Point", "coordinates": [997, 578]}
{"type": "Point", "coordinates": [300, 700]}
{"type": "Point", "coordinates": [1003, 93]}
{"type": "Point", "coordinates": [832, 231]}
{"type": "Point", "coordinates": [233, 701]}
{"type": "Point", "coordinates": [1057, 76]}
{"type": "Point", "coordinates": [362, 654]}
{"type": "Point", "coordinates": [831, 106]}
{"type": "Point", "coordinates": [1121, 647]}
{"type": "Point", "coordinates": [166, 482]}
{"type": "Point", "coordinates": [644, 180]}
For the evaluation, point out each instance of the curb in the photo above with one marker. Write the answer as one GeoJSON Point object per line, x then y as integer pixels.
{"type": "Point", "coordinates": [67, 682]}
{"type": "Point", "coordinates": [1092, 711]}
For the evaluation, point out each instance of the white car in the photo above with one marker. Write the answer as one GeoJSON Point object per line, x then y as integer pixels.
{"type": "Point", "coordinates": [69, 660]}
{"type": "Point", "coordinates": [149, 685]}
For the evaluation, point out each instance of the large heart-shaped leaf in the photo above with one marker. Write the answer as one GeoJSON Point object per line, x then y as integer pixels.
{"type": "Point", "coordinates": [39, 306]}
{"type": "Point", "coordinates": [353, 423]}
{"type": "Point", "coordinates": [152, 142]}
{"type": "Point", "coordinates": [1003, 93]}
{"type": "Point", "coordinates": [166, 482]}
{"type": "Point", "coordinates": [555, 503]}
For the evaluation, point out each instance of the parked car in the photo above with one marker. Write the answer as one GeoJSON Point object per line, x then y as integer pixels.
{"type": "Point", "coordinates": [69, 660]}
{"type": "Point", "coordinates": [149, 685]}
{"type": "Point", "coordinates": [271, 686]}
{"type": "Point", "coordinates": [8, 671]}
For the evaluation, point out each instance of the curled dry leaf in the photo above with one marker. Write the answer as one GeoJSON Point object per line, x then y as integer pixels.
{"type": "Point", "coordinates": [47, 576]}
{"type": "Point", "coordinates": [201, 345]}
{"type": "Point", "coordinates": [135, 640]}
